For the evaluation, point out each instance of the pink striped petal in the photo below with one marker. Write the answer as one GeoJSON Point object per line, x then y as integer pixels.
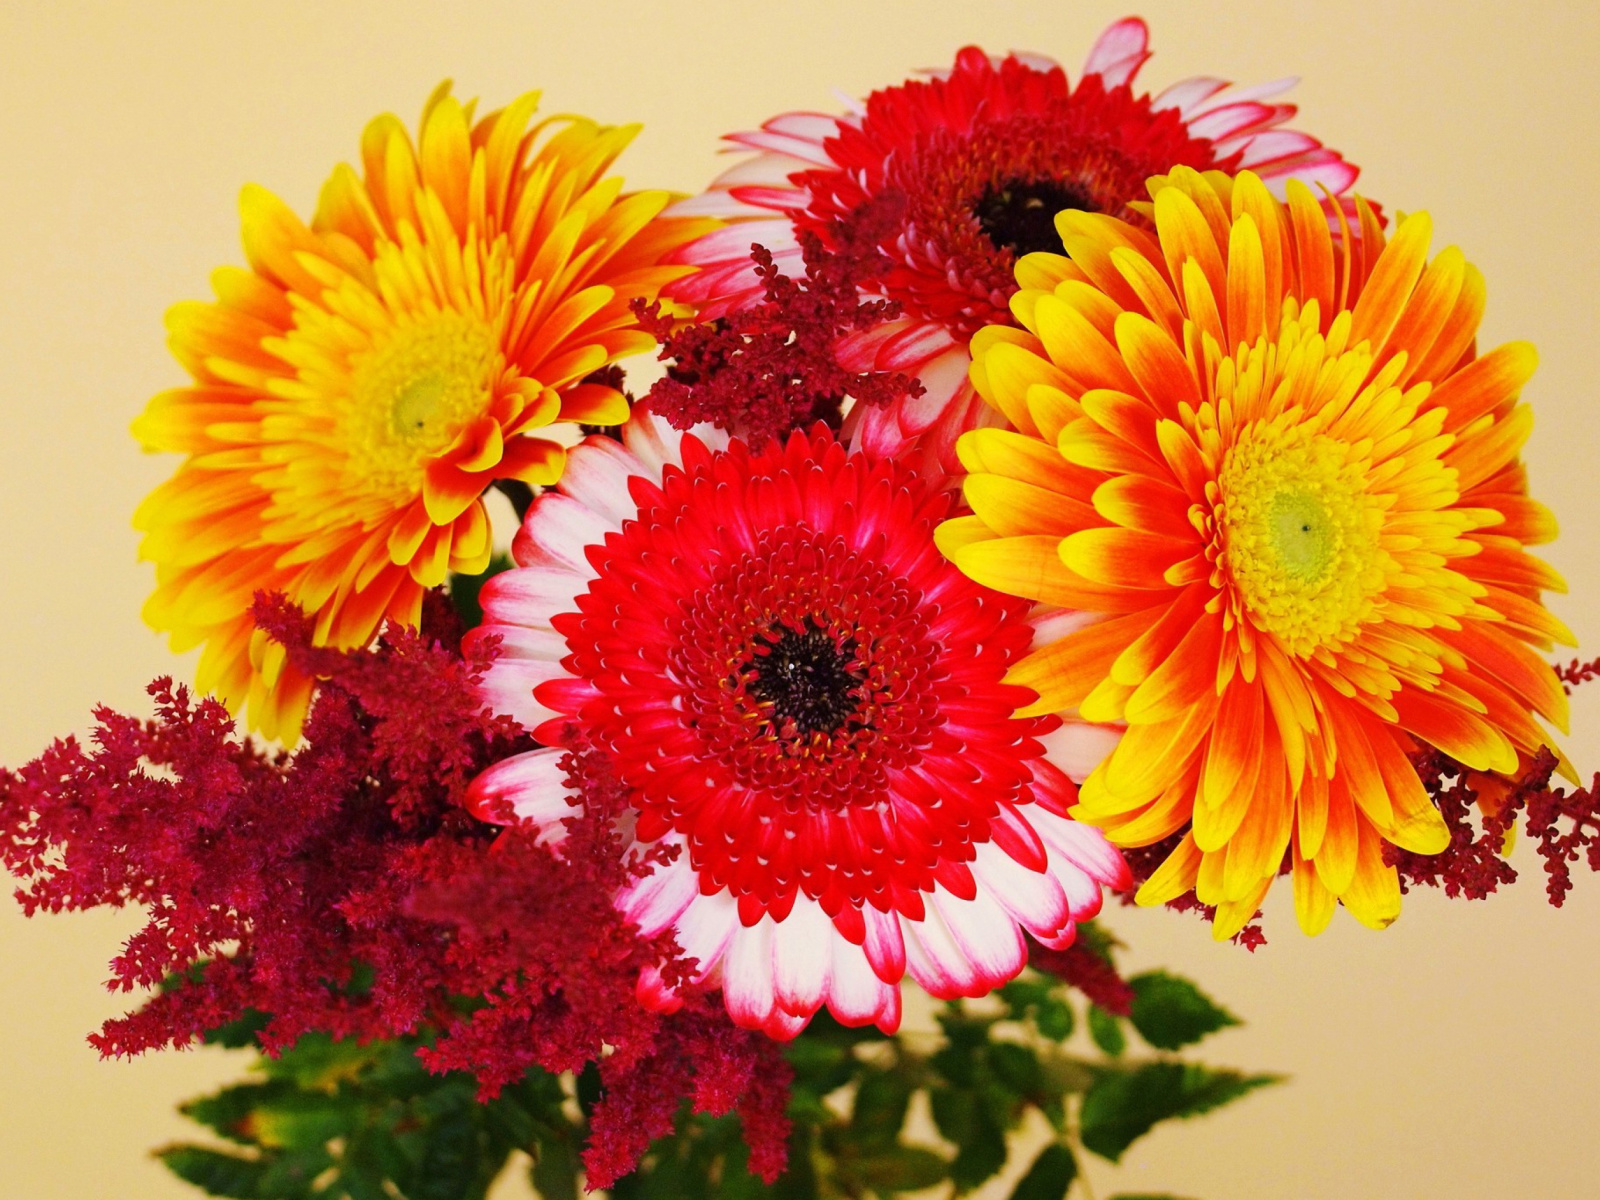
{"type": "Point", "coordinates": [778, 143]}
{"type": "Point", "coordinates": [1034, 899]}
{"type": "Point", "coordinates": [884, 945]}
{"type": "Point", "coordinates": [986, 935]}
{"type": "Point", "coordinates": [801, 958]}
{"type": "Point", "coordinates": [529, 786]}
{"type": "Point", "coordinates": [856, 996]}
{"type": "Point", "coordinates": [1229, 119]}
{"type": "Point", "coordinates": [1188, 94]}
{"type": "Point", "coordinates": [528, 596]}
{"type": "Point", "coordinates": [1079, 747]}
{"type": "Point", "coordinates": [596, 476]}
{"type": "Point", "coordinates": [704, 931]}
{"type": "Point", "coordinates": [1082, 845]}
{"type": "Point", "coordinates": [556, 532]}
{"type": "Point", "coordinates": [655, 902]}
{"type": "Point", "coordinates": [747, 985]}
{"type": "Point", "coordinates": [1275, 144]}
{"type": "Point", "coordinates": [1116, 48]}
{"type": "Point", "coordinates": [810, 126]}
{"type": "Point", "coordinates": [507, 688]}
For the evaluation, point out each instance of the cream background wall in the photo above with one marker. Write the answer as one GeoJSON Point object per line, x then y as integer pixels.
{"type": "Point", "coordinates": [1455, 1055]}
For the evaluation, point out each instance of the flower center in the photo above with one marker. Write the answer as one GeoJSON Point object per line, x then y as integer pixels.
{"type": "Point", "coordinates": [806, 676]}
{"type": "Point", "coordinates": [795, 664]}
{"type": "Point", "coordinates": [1019, 215]}
{"type": "Point", "coordinates": [1301, 534]}
{"type": "Point", "coordinates": [413, 393]}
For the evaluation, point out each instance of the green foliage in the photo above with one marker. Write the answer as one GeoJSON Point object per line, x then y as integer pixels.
{"type": "Point", "coordinates": [1050, 1175]}
{"type": "Point", "coordinates": [1122, 1105]}
{"type": "Point", "coordinates": [332, 1120]}
{"type": "Point", "coordinates": [1106, 1030]}
{"type": "Point", "coordinates": [1171, 1013]}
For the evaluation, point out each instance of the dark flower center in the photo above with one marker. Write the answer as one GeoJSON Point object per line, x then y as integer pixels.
{"type": "Point", "coordinates": [1019, 215]}
{"type": "Point", "coordinates": [807, 677]}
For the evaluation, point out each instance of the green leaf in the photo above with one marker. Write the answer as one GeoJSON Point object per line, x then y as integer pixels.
{"type": "Point", "coordinates": [1122, 1105]}
{"type": "Point", "coordinates": [880, 1108]}
{"type": "Point", "coordinates": [1049, 1177]}
{"type": "Point", "coordinates": [555, 1169]}
{"type": "Point", "coordinates": [300, 1119]}
{"type": "Point", "coordinates": [228, 1112]}
{"type": "Point", "coordinates": [1171, 1013]}
{"type": "Point", "coordinates": [820, 1064]}
{"type": "Point", "coordinates": [454, 1166]}
{"type": "Point", "coordinates": [1053, 1018]}
{"type": "Point", "coordinates": [981, 1155]}
{"type": "Point", "coordinates": [955, 1114]}
{"type": "Point", "coordinates": [1144, 1196]}
{"type": "Point", "coordinates": [214, 1172]}
{"type": "Point", "coordinates": [902, 1169]}
{"type": "Point", "coordinates": [1106, 1030]}
{"type": "Point", "coordinates": [289, 1176]}
{"type": "Point", "coordinates": [318, 1062]}
{"type": "Point", "coordinates": [1017, 1067]}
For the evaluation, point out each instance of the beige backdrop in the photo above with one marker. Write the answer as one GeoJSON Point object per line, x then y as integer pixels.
{"type": "Point", "coordinates": [1455, 1055]}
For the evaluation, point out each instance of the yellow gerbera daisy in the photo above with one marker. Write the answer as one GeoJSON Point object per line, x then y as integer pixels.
{"type": "Point", "coordinates": [357, 389]}
{"type": "Point", "coordinates": [1271, 457]}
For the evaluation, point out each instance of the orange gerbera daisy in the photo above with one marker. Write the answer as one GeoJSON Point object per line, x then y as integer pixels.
{"type": "Point", "coordinates": [357, 389]}
{"type": "Point", "coordinates": [1271, 457]}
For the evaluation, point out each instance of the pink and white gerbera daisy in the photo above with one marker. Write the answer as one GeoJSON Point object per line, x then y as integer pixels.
{"type": "Point", "coordinates": [973, 164]}
{"type": "Point", "coordinates": [806, 701]}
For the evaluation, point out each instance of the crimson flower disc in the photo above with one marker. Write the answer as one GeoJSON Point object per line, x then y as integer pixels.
{"type": "Point", "coordinates": [807, 701]}
{"type": "Point", "coordinates": [972, 167]}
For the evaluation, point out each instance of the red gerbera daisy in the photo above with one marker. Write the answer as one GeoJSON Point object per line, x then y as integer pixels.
{"type": "Point", "coordinates": [975, 163]}
{"type": "Point", "coordinates": [807, 702]}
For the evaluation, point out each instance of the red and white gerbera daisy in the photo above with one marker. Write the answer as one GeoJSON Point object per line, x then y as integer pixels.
{"type": "Point", "coordinates": [972, 166]}
{"type": "Point", "coordinates": [806, 700]}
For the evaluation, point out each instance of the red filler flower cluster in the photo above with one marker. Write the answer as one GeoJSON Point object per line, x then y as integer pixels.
{"type": "Point", "coordinates": [345, 890]}
{"type": "Point", "coordinates": [772, 368]}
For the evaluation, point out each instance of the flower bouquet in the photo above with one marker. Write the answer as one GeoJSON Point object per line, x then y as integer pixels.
{"type": "Point", "coordinates": [1050, 492]}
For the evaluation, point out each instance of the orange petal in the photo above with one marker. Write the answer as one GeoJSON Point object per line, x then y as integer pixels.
{"type": "Point", "coordinates": [1173, 877]}
{"type": "Point", "coordinates": [1373, 896]}
{"type": "Point", "coordinates": [1063, 672]}
{"type": "Point", "coordinates": [1394, 277]}
{"type": "Point", "coordinates": [1183, 678]}
{"type": "Point", "coordinates": [1313, 902]}
{"type": "Point", "coordinates": [1120, 557]}
{"type": "Point", "coordinates": [1336, 859]}
{"type": "Point", "coordinates": [1012, 508]}
{"type": "Point", "coordinates": [1462, 735]}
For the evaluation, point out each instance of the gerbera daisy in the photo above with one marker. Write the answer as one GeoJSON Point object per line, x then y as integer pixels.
{"type": "Point", "coordinates": [357, 389]}
{"type": "Point", "coordinates": [1274, 461]}
{"type": "Point", "coordinates": [807, 702]}
{"type": "Point", "coordinates": [975, 163]}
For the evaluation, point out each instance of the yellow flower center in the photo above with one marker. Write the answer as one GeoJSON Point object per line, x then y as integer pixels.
{"type": "Point", "coordinates": [413, 393]}
{"type": "Point", "coordinates": [1300, 533]}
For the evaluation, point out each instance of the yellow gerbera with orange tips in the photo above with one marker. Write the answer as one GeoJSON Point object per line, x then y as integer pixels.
{"type": "Point", "coordinates": [1266, 456]}
{"type": "Point", "coordinates": [360, 386]}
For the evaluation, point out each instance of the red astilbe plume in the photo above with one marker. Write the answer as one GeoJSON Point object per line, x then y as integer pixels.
{"type": "Point", "coordinates": [1563, 825]}
{"type": "Point", "coordinates": [696, 1055]}
{"type": "Point", "coordinates": [772, 367]}
{"type": "Point", "coordinates": [1081, 967]}
{"type": "Point", "coordinates": [344, 890]}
